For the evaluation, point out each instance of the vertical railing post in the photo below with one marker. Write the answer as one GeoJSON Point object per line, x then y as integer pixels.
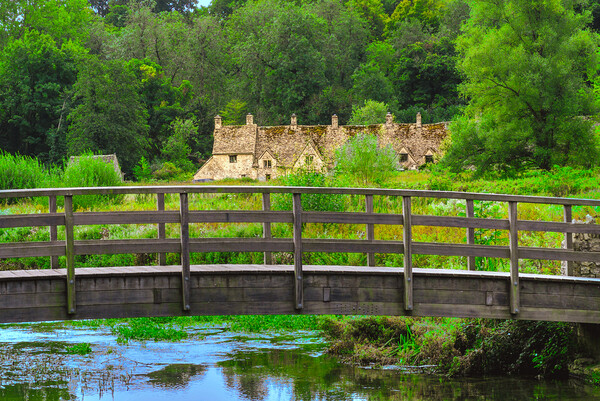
{"type": "Point", "coordinates": [53, 230]}
{"type": "Point", "coordinates": [513, 235]}
{"type": "Point", "coordinates": [70, 254]}
{"type": "Point", "coordinates": [185, 250]}
{"type": "Point", "coordinates": [160, 205]}
{"type": "Point", "coordinates": [568, 218]}
{"type": "Point", "coordinates": [298, 276]}
{"type": "Point", "coordinates": [266, 204]}
{"type": "Point", "coordinates": [370, 228]}
{"type": "Point", "coordinates": [470, 234]}
{"type": "Point", "coordinates": [407, 241]}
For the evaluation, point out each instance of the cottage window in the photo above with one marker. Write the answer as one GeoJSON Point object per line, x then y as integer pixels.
{"type": "Point", "coordinates": [308, 159]}
{"type": "Point", "coordinates": [232, 158]}
{"type": "Point", "coordinates": [428, 159]}
{"type": "Point", "coordinates": [267, 163]}
{"type": "Point", "coordinates": [403, 157]}
{"type": "Point", "coordinates": [268, 177]}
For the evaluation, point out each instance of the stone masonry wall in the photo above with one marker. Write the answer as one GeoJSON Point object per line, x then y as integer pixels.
{"type": "Point", "coordinates": [585, 243]}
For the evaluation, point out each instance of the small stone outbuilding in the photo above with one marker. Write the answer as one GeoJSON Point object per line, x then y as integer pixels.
{"type": "Point", "coordinates": [268, 152]}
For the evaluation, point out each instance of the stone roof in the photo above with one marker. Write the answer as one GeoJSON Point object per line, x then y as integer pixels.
{"type": "Point", "coordinates": [235, 139]}
{"type": "Point", "coordinates": [286, 143]}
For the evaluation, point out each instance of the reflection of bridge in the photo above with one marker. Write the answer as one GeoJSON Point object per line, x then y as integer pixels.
{"type": "Point", "coordinates": [106, 292]}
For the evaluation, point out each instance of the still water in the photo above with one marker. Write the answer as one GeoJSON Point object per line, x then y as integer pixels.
{"type": "Point", "coordinates": [35, 365]}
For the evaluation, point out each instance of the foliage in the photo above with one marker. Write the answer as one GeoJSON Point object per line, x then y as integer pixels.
{"type": "Point", "coordinates": [20, 172]}
{"type": "Point", "coordinates": [310, 202]}
{"type": "Point", "coordinates": [35, 77]}
{"type": "Point", "coordinates": [109, 116]}
{"type": "Point", "coordinates": [176, 149]}
{"type": "Point", "coordinates": [88, 171]}
{"type": "Point", "coordinates": [234, 112]}
{"type": "Point", "coordinates": [142, 170]}
{"type": "Point", "coordinates": [371, 112]}
{"type": "Point", "coordinates": [143, 329]}
{"type": "Point", "coordinates": [527, 78]}
{"type": "Point", "coordinates": [168, 171]}
{"type": "Point", "coordinates": [79, 349]}
{"type": "Point", "coordinates": [362, 157]}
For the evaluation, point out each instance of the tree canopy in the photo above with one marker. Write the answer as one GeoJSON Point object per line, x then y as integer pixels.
{"type": "Point", "coordinates": [528, 68]}
{"type": "Point", "coordinates": [77, 74]}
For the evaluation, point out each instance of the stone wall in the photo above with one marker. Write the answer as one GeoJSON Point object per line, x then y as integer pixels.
{"type": "Point", "coordinates": [584, 243]}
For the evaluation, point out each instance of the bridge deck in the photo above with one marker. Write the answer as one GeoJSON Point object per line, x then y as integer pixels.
{"type": "Point", "coordinates": [112, 292]}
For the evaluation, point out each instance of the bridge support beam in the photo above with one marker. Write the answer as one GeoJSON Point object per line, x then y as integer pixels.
{"type": "Point", "coordinates": [298, 276]}
{"type": "Point", "coordinates": [185, 250]}
{"type": "Point", "coordinates": [70, 254]}
{"type": "Point", "coordinates": [266, 204]}
{"type": "Point", "coordinates": [407, 240]}
{"type": "Point", "coordinates": [515, 297]}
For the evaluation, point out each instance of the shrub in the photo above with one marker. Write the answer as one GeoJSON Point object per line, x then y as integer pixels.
{"type": "Point", "coordinates": [362, 157]}
{"type": "Point", "coordinates": [87, 171]}
{"type": "Point", "coordinates": [310, 202]}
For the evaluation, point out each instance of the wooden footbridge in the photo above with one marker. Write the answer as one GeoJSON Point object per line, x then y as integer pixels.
{"type": "Point", "coordinates": [161, 290]}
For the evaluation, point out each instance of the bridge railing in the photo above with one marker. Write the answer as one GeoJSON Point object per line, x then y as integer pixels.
{"type": "Point", "coordinates": [184, 245]}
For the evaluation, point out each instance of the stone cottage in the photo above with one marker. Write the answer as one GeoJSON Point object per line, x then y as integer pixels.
{"type": "Point", "coordinates": [268, 152]}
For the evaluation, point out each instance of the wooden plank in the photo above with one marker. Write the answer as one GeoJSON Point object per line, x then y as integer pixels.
{"type": "Point", "coordinates": [352, 218]}
{"type": "Point", "coordinates": [266, 205]}
{"type": "Point", "coordinates": [370, 229]}
{"type": "Point", "coordinates": [31, 220]}
{"type": "Point", "coordinates": [558, 254]}
{"type": "Point", "coordinates": [240, 216]}
{"type": "Point", "coordinates": [568, 218]}
{"type": "Point", "coordinates": [160, 206]}
{"type": "Point", "coordinates": [108, 247]}
{"type": "Point", "coordinates": [17, 193]}
{"type": "Point", "coordinates": [560, 302]}
{"type": "Point", "coordinates": [130, 217]}
{"type": "Point", "coordinates": [70, 254]}
{"type": "Point", "coordinates": [407, 241]}
{"type": "Point", "coordinates": [241, 245]}
{"type": "Point", "coordinates": [491, 251]}
{"type": "Point", "coordinates": [53, 230]}
{"type": "Point", "coordinates": [31, 249]}
{"type": "Point", "coordinates": [558, 227]}
{"type": "Point", "coordinates": [514, 258]}
{"type": "Point", "coordinates": [299, 286]}
{"type": "Point", "coordinates": [185, 250]}
{"type": "Point", "coordinates": [460, 222]}
{"type": "Point", "coordinates": [470, 234]}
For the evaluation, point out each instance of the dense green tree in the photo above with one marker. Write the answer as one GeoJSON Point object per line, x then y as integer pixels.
{"type": "Point", "coordinates": [234, 112]}
{"type": "Point", "coordinates": [36, 76]}
{"type": "Point", "coordinates": [527, 65]}
{"type": "Point", "coordinates": [277, 50]}
{"type": "Point", "coordinates": [110, 115]}
{"type": "Point", "coordinates": [371, 112]}
{"type": "Point", "coordinates": [163, 101]}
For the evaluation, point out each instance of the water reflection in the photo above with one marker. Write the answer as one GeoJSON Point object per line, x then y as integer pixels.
{"type": "Point", "coordinates": [176, 376]}
{"type": "Point", "coordinates": [228, 367]}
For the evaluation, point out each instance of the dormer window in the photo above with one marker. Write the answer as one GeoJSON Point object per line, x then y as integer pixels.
{"type": "Point", "coordinates": [308, 159]}
{"type": "Point", "coordinates": [403, 157]}
{"type": "Point", "coordinates": [428, 159]}
{"type": "Point", "coordinates": [267, 163]}
{"type": "Point", "coordinates": [232, 158]}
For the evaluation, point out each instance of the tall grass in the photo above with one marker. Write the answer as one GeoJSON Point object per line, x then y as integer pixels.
{"type": "Point", "coordinates": [87, 171]}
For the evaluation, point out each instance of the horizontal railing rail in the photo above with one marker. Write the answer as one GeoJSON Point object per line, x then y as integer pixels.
{"type": "Point", "coordinates": [184, 245]}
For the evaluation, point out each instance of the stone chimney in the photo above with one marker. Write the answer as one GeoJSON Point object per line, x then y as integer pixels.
{"type": "Point", "coordinates": [419, 125]}
{"type": "Point", "coordinates": [294, 122]}
{"type": "Point", "coordinates": [249, 119]}
{"type": "Point", "coordinates": [218, 122]}
{"type": "Point", "coordinates": [389, 119]}
{"type": "Point", "coordinates": [334, 122]}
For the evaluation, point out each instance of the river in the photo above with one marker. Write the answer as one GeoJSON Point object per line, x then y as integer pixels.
{"type": "Point", "coordinates": [37, 363]}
